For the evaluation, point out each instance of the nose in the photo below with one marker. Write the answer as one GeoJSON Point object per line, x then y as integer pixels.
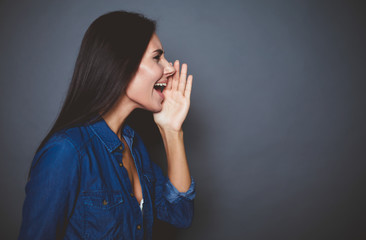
{"type": "Point", "coordinates": [169, 70]}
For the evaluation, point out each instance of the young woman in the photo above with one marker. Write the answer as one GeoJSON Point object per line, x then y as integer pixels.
{"type": "Point", "coordinates": [91, 177]}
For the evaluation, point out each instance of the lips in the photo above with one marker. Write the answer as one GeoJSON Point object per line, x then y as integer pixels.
{"type": "Point", "coordinates": [159, 86]}
{"type": "Point", "coordinates": [160, 92]}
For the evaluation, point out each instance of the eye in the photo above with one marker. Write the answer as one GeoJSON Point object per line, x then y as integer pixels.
{"type": "Point", "coordinates": [157, 57]}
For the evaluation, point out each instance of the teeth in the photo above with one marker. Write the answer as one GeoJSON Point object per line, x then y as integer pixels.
{"type": "Point", "coordinates": [161, 84]}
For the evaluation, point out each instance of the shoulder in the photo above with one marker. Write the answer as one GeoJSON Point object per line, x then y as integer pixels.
{"type": "Point", "coordinates": [56, 162]}
{"type": "Point", "coordinates": [60, 142]}
{"type": "Point", "coordinates": [74, 139]}
{"type": "Point", "coordinates": [55, 156]}
{"type": "Point", "coordinates": [79, 136]}
{"type": "Point", "coordinates": [68, 143]}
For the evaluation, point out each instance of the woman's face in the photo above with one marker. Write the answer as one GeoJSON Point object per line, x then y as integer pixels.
{"type": "Point", "coordinates": [153, 69]}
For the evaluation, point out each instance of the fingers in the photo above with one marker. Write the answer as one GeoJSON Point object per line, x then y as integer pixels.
{"type": "Point", "coordinates": [169, 84]}
{"type": "Point", "coordinates": [170, 79]}
{"type": "Point", "coordinates": [183, 78]}
{"type": "Point", "coordinates": [188, 90]}
{"type": "Point", "coordinates": [179, 80]}
{"type": "Point", "coordinates": [175, 80]}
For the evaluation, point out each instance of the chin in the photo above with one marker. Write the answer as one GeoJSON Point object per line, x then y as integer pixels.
{"type": "Point", "coordinates": [155, 109]}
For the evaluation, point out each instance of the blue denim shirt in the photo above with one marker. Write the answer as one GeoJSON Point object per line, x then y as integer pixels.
{"type": "Point", "coordinates": [79, 189]}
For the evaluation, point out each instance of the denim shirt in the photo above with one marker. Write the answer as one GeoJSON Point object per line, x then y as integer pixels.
{"type": "Point", "coordinates": [79, 189]}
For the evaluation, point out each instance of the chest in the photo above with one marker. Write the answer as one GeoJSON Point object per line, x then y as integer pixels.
{"type": "Point", "coordinates": [128, 164]}
{"type": "Point", "coordinates": [110, 190]}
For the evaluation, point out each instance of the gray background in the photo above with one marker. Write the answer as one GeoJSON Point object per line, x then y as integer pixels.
{"type": "Point", "coordinates": [276, 132]}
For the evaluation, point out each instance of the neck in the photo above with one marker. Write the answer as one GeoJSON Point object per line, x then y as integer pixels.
{"type": "Point", "coordinates": [116, 117]}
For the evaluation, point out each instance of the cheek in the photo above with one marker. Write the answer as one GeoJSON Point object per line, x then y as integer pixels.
{"type": "Point", "coordinates": [143, 82]}
{"type": "Point", "coordinates": [136, 89]}
{"type": "Point", "coordinates": [153, 73]}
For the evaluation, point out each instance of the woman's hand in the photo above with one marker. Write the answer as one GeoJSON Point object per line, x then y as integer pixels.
{"type": "Point", "coordinates": [176, 102]}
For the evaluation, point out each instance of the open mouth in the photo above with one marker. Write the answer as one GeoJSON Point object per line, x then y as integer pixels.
{"type": "Point", "coordinates": [160, 86]}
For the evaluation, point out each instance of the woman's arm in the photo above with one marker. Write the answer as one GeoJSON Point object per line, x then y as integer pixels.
{"type": "Point", "coordinates": [170, 204]}
{"type": "Point", "coordinates": [178, 171]}
{"type": "Point", "coordinates": [174, 196]}
{"type": "Point", "coordinates": [51, 191]}
{"type": "Point", "coordinates": [169, 121]}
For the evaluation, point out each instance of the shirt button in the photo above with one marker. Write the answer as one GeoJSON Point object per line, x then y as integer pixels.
{"type": "Point", "coordinates": [120, 164]}
{"type": "Point", "coordinates": [120, 148]}
{"type": "Point", "coordinates": [139, 227]}
{"type": "Point", "coordinates": [105, 202]}
{"type": "Point", "coordinates": [131, 194]}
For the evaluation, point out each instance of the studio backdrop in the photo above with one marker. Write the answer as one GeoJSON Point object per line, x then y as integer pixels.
{"type": "Point", "coordinates": [275, 136]}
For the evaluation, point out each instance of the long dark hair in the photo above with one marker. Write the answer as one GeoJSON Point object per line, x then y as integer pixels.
{"type": "Point", "coordinates": [110, 53]}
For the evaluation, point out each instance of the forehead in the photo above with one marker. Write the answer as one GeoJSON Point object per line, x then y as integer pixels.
{"type": "Point", "coordinates": [154, 43]}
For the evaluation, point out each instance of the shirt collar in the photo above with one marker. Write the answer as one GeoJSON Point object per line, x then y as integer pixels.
{"type": "Point", "coordinates": [108, 137]}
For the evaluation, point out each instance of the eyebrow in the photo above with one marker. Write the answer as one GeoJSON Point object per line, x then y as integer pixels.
{"type": "Point", "coordinates": [160, 51]}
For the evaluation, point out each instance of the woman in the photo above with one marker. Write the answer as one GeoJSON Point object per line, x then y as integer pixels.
{"type": "Point", "coordinates": [91, 177]}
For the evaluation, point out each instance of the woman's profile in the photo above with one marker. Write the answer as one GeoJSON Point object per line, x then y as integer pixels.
{"type": "Point", "coordinates": [91, 176]}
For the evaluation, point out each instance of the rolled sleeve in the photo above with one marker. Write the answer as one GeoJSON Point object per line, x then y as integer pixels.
{"type": "Point", "coordinates": [171, 205]}
{"type": "Point", "coordinates": [172, 194]}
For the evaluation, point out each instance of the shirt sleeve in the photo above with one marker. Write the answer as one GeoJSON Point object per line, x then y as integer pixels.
{"type": "Point", "coordinates": [51, 190]}
{"type": "Point", "coordinates": [171, 205]}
